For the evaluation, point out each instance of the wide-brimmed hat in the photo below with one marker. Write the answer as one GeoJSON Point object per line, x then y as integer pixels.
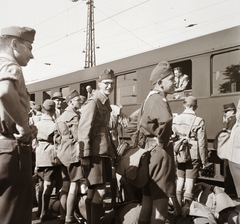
{"type": "Point", "coordinates": [58, 95]}
{"type": "Point", "coordinates": [229, 106]}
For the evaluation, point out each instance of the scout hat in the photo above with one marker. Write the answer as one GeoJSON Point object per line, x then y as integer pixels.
{"type": "Point", "coordinates": [48, 105]}
{"type": "Point", "coordinates": [106, 74]}
{"type": "Point", "coordinates": [191, 101]}
{"type": "Point", "coordinates": [161, 71]}
{"type": "Point", "coordinates": [57, 95]}
{"type": "Point", "coordinates": [24, 33]}
{"type": "Point", "coordinates": [229, 106]}
{"type": "Point", "coordinates": [71, 95]}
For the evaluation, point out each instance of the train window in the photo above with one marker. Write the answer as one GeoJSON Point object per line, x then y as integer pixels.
{"type": "Point", "coordinates": [83, 90]}
{"type": "Point", "coordinates": [32, 97]}
{"type": "Point", "coordinates": [183, 79]}
{"type": "Point", "coordinates": [127, 89]}
{"type": "Point", "coordinates": [226, 72]}
{"type": "Point", "coordinates": [46, 95]}
{"type": "Point", "coordinates": [64, 90]}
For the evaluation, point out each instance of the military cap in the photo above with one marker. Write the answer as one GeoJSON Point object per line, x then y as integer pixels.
{"type": "Point", "coordinates": [229, 106]}
{"type": "Point", "coordinates": [106, 74]}
{"type": "Point", "coordinates": [48, 105]}
{"type": "Point", "coordinates": [71, 95]}
{"type": "Point", "coordinates": [24, 33]}
{"type": "Point", "coordinates": [162, 70]}
{"type": "Point", "coordinates": [57, 95]}
{"type": "Point", "coordinates": [191, 101]}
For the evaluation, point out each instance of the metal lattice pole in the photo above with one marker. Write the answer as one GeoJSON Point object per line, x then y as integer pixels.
{"type": "Point", "coordinates": [90, 57]}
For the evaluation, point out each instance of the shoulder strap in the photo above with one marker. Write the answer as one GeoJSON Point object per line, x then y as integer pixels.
{"type": "Point", "coordinates": [143, 105]}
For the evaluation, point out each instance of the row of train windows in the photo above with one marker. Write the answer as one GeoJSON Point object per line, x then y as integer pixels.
{"type": "Point", "coordinates": [225, 70]}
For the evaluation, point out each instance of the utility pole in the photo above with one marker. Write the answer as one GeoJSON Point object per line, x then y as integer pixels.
{"type": "Point", "coordinates": [90, 57]}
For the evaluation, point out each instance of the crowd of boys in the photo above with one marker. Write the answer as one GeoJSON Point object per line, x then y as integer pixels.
{"type": "Point", "coordinates": [77, 143]}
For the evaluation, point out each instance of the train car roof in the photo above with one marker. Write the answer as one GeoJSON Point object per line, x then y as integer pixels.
{"type": "Point", "coordinates": [206, 43]}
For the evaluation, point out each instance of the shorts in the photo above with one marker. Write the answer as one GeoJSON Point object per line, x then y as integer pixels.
{"type": "Point", "coordinates": [72, 172]}
{"type": "Point", "coordinates": [162, 172]}
{"type": "Point", "coordinates": [189, 170]}
{"type": "Point", "coordinates": [49, 174]}
{"type": "Point", "coordinates": [100, 170]}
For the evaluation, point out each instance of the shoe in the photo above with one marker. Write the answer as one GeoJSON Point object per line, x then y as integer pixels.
{"type": "Point", "coordinates": [74, 221]}
{"type": "Point", "coordinates": [48, 217]}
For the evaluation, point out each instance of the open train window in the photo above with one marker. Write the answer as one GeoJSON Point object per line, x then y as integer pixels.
{"type": "Point", "coordinates": [183, 79]}
{"type": "Point", "coordinates": [127, 89]}
{"type": "Point", "coordinates": [226, 72]}
{"type": "Point", "coordinates": [32, 97]}
{"type": "Point", "coordinates": [83, 86]}
{"type": "Point", "coordinates": [46, 95]}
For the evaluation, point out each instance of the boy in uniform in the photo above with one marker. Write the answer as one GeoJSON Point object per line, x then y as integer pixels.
{"type": "Point", "coordinates": [15, 132]}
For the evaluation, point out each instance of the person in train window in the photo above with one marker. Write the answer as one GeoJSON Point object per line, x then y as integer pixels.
{"type": "Point", "coordinates": [90, 91]}
{"type": "Point", "coordinates": [58, 99]}
{"type": "Point", "coordinates": [66, 140]}
{"type": "Point", "coordinates": [187, 173]}
{"type": "Point", "coordinates": [157, 122]}
{"type": "Point", "coordinates": [15, 132]}
{"type": "Point", "coordinates": [96, 148]}
{"type": "Point", "coordinates": [181, 80]}
{"type": "Point", "coordinates": [46, 166]}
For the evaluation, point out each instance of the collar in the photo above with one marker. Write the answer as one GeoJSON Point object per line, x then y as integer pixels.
{"type": "Point", "coordinates": [46, 117]}
{"type": "Point", "coordinates": [101, 97]}
{"type": "Point", "coordinates": [189, 111]}
{"type": "Point", "coordinates": [70, 109]}
{"type": "Point", "coordinates": [8, 57]}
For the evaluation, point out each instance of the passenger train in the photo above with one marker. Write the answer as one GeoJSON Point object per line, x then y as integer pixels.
{"type": "Point", "coordinates": [212, 63]}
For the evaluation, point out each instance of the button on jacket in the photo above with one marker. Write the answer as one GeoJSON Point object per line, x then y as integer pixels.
{"type": "Point", "coordinates": [93, 131]}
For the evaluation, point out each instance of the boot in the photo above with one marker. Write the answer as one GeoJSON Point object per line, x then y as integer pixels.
{"type": "Point", "coordinates": [88, 210]}
{"type": "Point", "coordinates": [96, 213]}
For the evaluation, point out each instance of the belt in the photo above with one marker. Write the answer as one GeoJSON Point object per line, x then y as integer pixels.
{"type": "Point", "coordinates": [10, 137]}
{"type": "Point", "coordinates": [6, 137]}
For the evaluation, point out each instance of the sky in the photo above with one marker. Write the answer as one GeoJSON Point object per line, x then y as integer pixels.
{"type": "Point", "coordinates": [122, 28]}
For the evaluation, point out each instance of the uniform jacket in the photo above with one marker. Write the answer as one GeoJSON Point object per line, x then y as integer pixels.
{"type": "Point", "coordinates": [157, 118]}
{"type": "Point", "coordinates": [198, 136]}
{"type": "Point", "coordinates": [11, 70]}
{"type": "Point", "coordinates": [45, 151]}
{"type": "Point", "coordinates": [66, 137]}
{"type": "Point", "coordinates": [93, 131]}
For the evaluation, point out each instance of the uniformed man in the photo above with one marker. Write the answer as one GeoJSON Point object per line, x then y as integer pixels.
{"type": "Point", "coordinates": [156, 121]}
{"type": "Point", "coordinates": [96, 149]}
{"type": "Point", "coordinates": [15, 132]}
{"type": "Point", "coordinates": [68, 154]}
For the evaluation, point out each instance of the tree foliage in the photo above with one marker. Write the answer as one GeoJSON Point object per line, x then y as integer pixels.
{"type": "Point", "coordinates": [232, 75]}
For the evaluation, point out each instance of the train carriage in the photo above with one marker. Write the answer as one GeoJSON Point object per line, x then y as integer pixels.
{"type": "Point", "coordinates": [212, 63]}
